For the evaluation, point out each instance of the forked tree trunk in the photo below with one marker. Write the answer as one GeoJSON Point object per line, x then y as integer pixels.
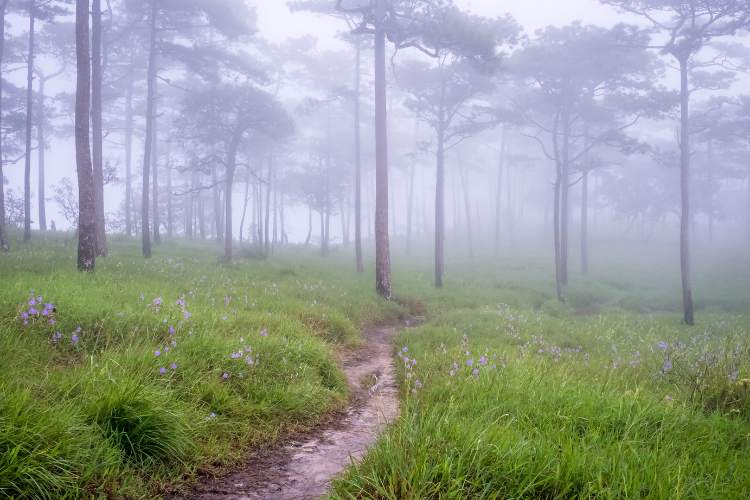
{"type": "Point", "coordinates": [687, 293]}
{"type": "Point", "coordinates": [151, 79]}
{"type": "Point", "coordinates": [29, 123]}
{"type": "Point", "coordinates": [86, 223]}
{"type": "Point", "coordinates": [3, 234]}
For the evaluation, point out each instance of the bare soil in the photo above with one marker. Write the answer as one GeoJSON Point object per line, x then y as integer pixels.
{"type": "Point", "coordinates": [303, 467]}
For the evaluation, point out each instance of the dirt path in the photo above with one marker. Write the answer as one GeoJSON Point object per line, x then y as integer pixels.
{"type": "Point", "coordinates": [302, 469]}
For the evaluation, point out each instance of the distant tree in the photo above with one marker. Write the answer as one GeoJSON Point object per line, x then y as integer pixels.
{"type": "Point", "coordinates": [225, 115]}
{"type": "Point", "coordinates": [689, 26]}
{"type": "Point", "coordinates": [86, 215]}
{"type": "Point", "coordinates": [3, 234]}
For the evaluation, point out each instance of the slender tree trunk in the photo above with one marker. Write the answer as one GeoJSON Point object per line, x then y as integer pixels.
{"type": "Point", "coordinates": [687, 293]}
{"type": "Point", "coordinates": [86, 222]}
{"type": "Point", "coordinates": [201, 211]}
{"type": "Point", "coordinates": [96, 125]}
{"type": "Point", "coordinates": [128, 155]}
{"type": "Point", "coordinates": [585, 224]}
{"type": "Point", "coordinates": [168, 168]}
{"type": "Point", "coordinates": [151, 78]}
{"type": "Point", "coordinates": [29, 123]}
{"type": "Point", "coordinates": [357, 163]}
{"type": "Point", "coordinates": [440, 195]}
{"type": "Point", "coordinates": [269, 182]}
{"type": "Point", "coordinates": [41, 144]}
{"type": "Point", "coordinates": [155, 161]}
{"type": "Point", "coordinates": [467, 206]}
{"type": "Point", "coordinates": [565, 190]}
{"type": "Point", "coordinates": [309, 226]}
{"type": "Point", "coordinates": [3, 234]}
{"type": "Point", "coordinates": [382, 246]}
{"type": "Point", "coordinates": [559, 179]}
{"type": "Point", "coordinates": [231, 162]}
{"type": "Point", "coordinates": [244, 207]}
{"type": "Point", "coordinates": [410, 201]}
{"type": "Point", "coordinates": [499, 192]}
{"type": "Point", "coordinates": [260, 208]}
{"type": "Point", "coordinates": [217, 205]}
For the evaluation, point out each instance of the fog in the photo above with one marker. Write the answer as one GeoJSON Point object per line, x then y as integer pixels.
{"type": "Point", "coordinates": [532, 122]}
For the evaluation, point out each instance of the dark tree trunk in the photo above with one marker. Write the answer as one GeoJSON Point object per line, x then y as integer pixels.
{"type": "Point", "coordinates": [96, 125]}
{"type": "Point", "coordinates": [128, 156]}
{"type": "Point", "coordinates": [29, 123]}
{"type": "Point", "coordinates": [357, 164]}
{"type": "Point", "coordinates": [41, 145]}
{"type": "Point", "coordinates": [687, 293]}
{"type": "Point", "coordinates": [410, 201]}
{"type": "Point", "coordinates": [3, 233]}
{"type": "Point", "coordinates": [155, 169]}
{"type": "Point", "coordinates": [269, 181]}
{"type": "Point", "coordinates": [498, 211]}
{"type": "Point", "coordinates": [382, 246]}
{"type": "Point", "coordinates": [151, 78]}
{"type": "Point", "coordinates": [467, 207]}
{"type": "Point", "coordinates": [86, 222]}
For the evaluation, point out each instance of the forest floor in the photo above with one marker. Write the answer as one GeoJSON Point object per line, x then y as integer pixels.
{"type": "Point", "coordinates": [148, 376]}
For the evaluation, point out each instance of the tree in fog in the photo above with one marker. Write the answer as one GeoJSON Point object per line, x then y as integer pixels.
{"type": "Point", "coordinates": [225, 115]}
{"type": "Point", "coordinates": [3, 233]}
{"type": "Point", "coordinates": [688, 26]}
{"type": "Point", "coordinates": [86, 216]}
{"type": "Point", "coordinates": [588, 84]}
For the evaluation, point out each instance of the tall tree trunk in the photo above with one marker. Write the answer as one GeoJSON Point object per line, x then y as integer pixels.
{"type": "Point", "coordinates": [710, 192]}
{"type": "Point", "coordinates": [168, 168]}
{"type": "Point", "coordinates": [86, 222]}
{"type": "Point", "coordinates": [218, 232]}
{"type": "Point", "coordinates": [585, 205]}
{"type": "Point", "coordinates": [151, 78]}
{"type": "Point", "coordinates": [201, 210]}
{"type": "Point", "coordinates": [96, 125]}
{"type": "Point", "coordinates": [357, 163]}
{"type": "Point", "coordinates": [556, 210]}
{"type": "Point", "coordinates": [269, 181]}
{"type": "Point", "coordinates": [687, 293]}
{"type": "Point", "coordinates": [410, 201]}
{"type": "Point", "coordinates": [155, 161]}
{"type": "Point", "coordinates": [440, 194]}
{"type": "Point", "coordinates": [244, 207]}
{"type": "Point", "coordinates": [128, 155]}
{"type": "Point", "coordinates": [467, 205]}
{"type": "Point", "coordinates": [41, 144]}
{"type": "Point", "coordinates": [382, 245]}
{"type": "Point", "coordinates": [565, 190]}
{"type": "Point", "coordinates": [29, 123]}
{"type": "Point", "coordinates": [499, 192]}
{"type": "Point", "coordinates": [3, 233]}
{"type": "Point", "coordinates": [231, 162]}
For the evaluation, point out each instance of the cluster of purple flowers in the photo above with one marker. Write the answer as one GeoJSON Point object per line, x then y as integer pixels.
{"type": "Point", "coordinates": [37, 310]}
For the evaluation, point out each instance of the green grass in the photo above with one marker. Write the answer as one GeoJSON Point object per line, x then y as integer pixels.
{"type": "Point", "coordinates": [98, 418]}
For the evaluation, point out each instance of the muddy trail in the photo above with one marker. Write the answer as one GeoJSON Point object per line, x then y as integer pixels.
{"type": "Point", "coordinates": [302, 467]}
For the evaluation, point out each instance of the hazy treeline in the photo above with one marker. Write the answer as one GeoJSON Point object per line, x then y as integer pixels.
{"type": "Point", "coordinates": [424, 117]}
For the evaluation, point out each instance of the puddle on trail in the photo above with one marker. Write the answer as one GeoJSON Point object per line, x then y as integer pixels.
{"type": "Point", "coordinates": [303, 469]}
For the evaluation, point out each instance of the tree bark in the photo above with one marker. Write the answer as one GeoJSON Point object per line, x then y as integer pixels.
{"type": "Point", "coordinates": [29, 123]}
{"type": "Point", "coordinates": [687, 294]}
{"type": "Point", "coordinates": [86, 222]}
{"type": "Point", "coordinates": [96, 126]}
{"type": "Point", "coordinates": [565, 190]}
{"type": "Point", "coordinates": [151, 79]}
{"type": "Point", "coordinates": [357, 163]}
{"type": "Point", "coordinates": [128, 155]}
{"type": "Point", "coordinates": [382, 246]}
{"type": "Point", "coordinates": [231, 163]}
{"type": "Point", "coordinates": [556, 210]}
{"type": "Point", "coordinates": [498, 211]}
{"type": "Point", "coordinates": [3, 232]}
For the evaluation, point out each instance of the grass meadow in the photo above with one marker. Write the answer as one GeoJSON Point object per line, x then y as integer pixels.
{"type": "Point", "coordinates": [125, 383]}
